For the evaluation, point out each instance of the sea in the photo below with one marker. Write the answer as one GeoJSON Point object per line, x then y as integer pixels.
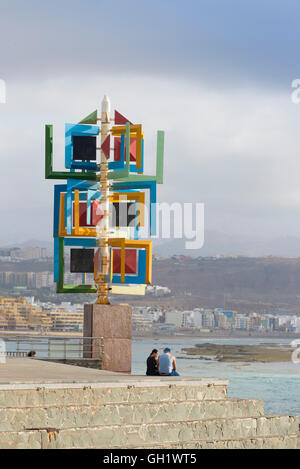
{"type": "Point", "coordinates": [278, 384]}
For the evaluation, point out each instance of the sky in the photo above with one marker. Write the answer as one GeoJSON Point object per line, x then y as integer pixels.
{"type": "Point", "coordinates": [215, 75]}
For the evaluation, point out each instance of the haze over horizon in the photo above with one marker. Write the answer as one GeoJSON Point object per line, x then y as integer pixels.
{"type": "Point", "coordinates": [216, 244]}
{"type": "Point", "coordinates": [218, 84]}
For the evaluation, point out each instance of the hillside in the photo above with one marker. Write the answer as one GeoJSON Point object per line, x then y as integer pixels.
{"type": "Point", "coordinates": [243, 283]}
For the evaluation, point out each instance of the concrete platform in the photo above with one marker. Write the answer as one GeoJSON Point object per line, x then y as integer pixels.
{"type": "Point", "coordinates": [27, 373]}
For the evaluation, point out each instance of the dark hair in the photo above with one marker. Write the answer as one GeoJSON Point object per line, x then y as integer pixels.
{"type": "Point", "coordinates": [154, 351]}
{"type": "Point", "coordinates": [31, 353]}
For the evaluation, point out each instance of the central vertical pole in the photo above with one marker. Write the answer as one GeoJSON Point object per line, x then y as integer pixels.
{"type": "Point", "coordinates": [103, 232]}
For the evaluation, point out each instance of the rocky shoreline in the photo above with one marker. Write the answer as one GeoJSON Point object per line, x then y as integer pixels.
{"type": "Point", "coordinates": [264, 353]}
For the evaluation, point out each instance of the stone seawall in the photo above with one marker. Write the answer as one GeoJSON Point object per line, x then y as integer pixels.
{"type": "Point", "coordinates": [138, 412]}
{"type": "Point", "coordinates": [52, 405]}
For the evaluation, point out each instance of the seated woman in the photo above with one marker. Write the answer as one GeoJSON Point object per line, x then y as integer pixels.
{"type": "Point", "coordinates": [152, 363]}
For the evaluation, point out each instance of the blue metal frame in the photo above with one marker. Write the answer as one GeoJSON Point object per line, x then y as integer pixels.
{"type": "Point", "coordinates": [133, 278]}
{"type": "Point", "coordinates": [151, 185]}
{"type": "Point", "coordinates": [78, 130]}
{"type": "Point", "coordinates": [81, 130]}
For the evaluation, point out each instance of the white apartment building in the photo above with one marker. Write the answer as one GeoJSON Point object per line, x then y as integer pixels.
{"type": "Point", "coordinates": [297, 324]}
{"type": "Point", "coordinates": [157, 290]}
{"type": "Point", "coordinates": [242, 322]}
{"type": "Point", "coordinates": [140, 322]}
{"type": "Point", "coordinates": [197, 318]}
{"type": "Point", "coordinates": [174, 318]}
{"type": "Point", "coordinates": [207, 319]}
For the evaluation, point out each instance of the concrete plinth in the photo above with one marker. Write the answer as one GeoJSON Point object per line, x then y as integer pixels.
{"type": "Point", "coordinates": [114, 324]}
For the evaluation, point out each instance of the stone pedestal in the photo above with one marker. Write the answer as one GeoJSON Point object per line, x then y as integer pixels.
{"type": "Point", "coordinates": [114, 324]}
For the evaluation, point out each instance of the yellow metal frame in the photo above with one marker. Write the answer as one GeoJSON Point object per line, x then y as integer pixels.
{"type": "Point", "coordinates": [135, 244]}
{"type": "Point", "coordinates": [138, 197]}
{"type": "Point", "coordinates": [130, 243]}
{"type": "Point", "coordinates": [128, 290]}
{"type": "Point", "coordinates": [78, 230]}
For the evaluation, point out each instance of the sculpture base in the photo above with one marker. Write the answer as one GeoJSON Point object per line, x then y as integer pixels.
{"type": "Point", "coordinates": [114, 324]}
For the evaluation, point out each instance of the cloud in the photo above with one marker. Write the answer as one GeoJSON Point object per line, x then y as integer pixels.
{"type": "Point", "coordinates": [215, 75]}
{"type": "Point", "coordinates": [228, 43]}
{"type": "Point", "coordinates": [235, 151]}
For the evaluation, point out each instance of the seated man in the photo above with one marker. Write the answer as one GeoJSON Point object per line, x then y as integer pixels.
{"type": "Point", "coordinates": [167, 364]}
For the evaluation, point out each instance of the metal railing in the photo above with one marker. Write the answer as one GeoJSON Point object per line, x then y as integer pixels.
{"type": "Point", "coordinates": [55, 347]}
{"type": "Point", "coordinates": [15, 354]}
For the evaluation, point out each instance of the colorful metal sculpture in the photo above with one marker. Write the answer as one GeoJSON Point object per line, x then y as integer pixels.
{"type": "Point", "coordinates": [99, 211]}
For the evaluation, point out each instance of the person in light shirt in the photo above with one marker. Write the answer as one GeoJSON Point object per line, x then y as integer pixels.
{"type": "Point", "coordinates": [167, 364]}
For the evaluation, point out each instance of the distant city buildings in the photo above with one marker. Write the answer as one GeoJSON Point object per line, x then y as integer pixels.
{"type": "Point", "coordinates": [22, 314]}
{"type": "Point", "coordinates": [154, 313]}
{"type": "Point", "coordinates": [19, 279]}
{"type": "Point", "coordinates": [26, 314]}
{"type": "Point", "coordinates": [43, 279]}
{"type": "Point", "coordinates": [17, 254]}
{"type": "Point", "coordinates": [207, 319]}
{"type": "Point", "coordinates": [140, 322]}
{"type": "Point", "coordinates": [29, 280]}
{"type": "Point", "coordinates": [174, 318]}
{"type": "Point", "coordinates": [36, 280]}
{"type": "Point", "coordinates": [157, 290]}
{"type": "Point", "coordinates": [28, 253]}
{"type": "Point", "coordinates": [18, 314]}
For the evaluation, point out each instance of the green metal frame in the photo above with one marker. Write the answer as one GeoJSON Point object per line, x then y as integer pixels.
{"type": "Point", "coordinates": [49, 173]}
{"type": "Point", "coordinates": [92, 176]}
{"type": "Point", "coordinates": [61, 287]}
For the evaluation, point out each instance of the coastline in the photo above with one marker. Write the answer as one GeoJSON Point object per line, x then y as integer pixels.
{"type": "Point", "coordinates": [154, 336]}
{"type": "Point", "coordinates": [216, 337]}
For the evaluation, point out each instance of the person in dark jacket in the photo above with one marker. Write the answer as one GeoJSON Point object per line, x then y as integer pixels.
{"type": "Point", "coordinates": [152, 363]}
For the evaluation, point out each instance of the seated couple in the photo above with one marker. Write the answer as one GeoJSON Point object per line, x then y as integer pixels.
{"type": "Point", "coordinates": [161, 365]}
